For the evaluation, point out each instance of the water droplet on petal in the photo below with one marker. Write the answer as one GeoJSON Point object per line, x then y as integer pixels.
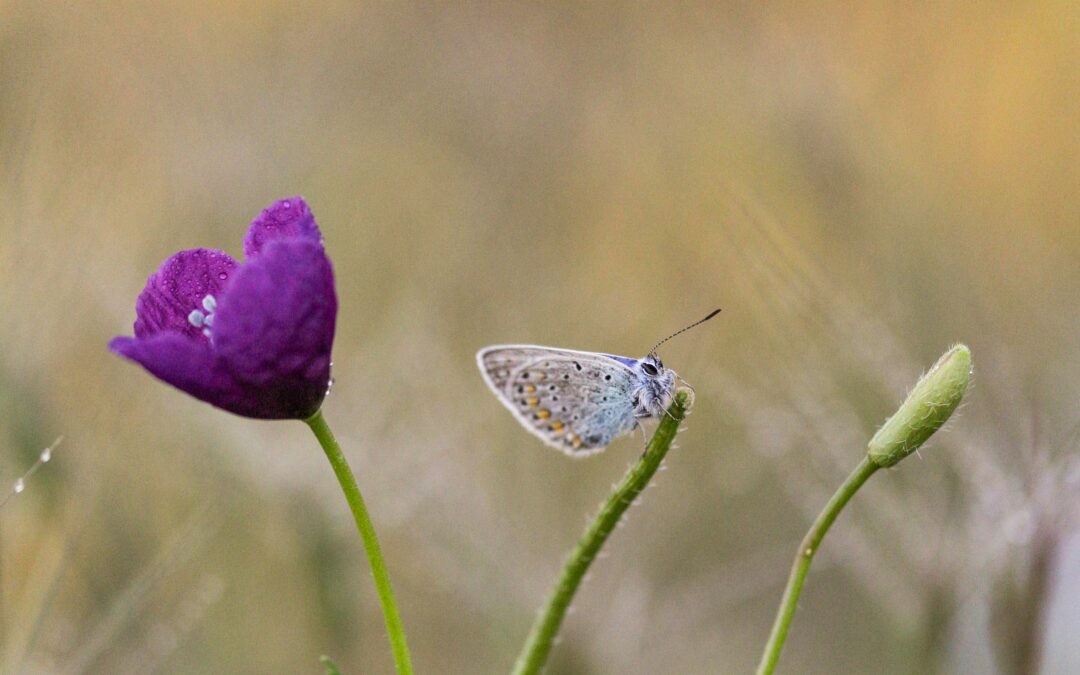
{"type": "Point", "coordinates": [19, 486]}
{"type": "Point", "coordinates": [222, 276]}
{"type": "Point", "coordinates": [329, 386]}
{"type": "Point", "coordinates": [46, 455]}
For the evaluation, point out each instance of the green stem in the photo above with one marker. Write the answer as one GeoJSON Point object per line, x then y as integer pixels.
{"type": "Point", "coordinates": [803, 558]}
{"type": "Point", "coordinates": [371, 543]}
{"type": "Point", "coordinates": [538, 645]}
{"type": "Point", "coordinates": [329, 665]}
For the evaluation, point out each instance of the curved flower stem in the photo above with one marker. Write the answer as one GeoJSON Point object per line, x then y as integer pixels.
{"type": "Point", "coordinates": [804, 557]}
{"type": "Point", "coordinates": [538, 645]}
{"type": "Point", "coordinates": [371, 543]}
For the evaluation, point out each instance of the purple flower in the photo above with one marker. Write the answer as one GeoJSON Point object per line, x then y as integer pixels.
{"type": "Point", "coordinates": [252, 338]}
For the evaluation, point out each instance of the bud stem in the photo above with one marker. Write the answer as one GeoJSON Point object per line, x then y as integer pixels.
{"type": "Point", "coordinates": [803, 557]}
{"type": "Point", "coordinates": [928, 406]}
{"type": "Point", "coordinates": [345, 477]}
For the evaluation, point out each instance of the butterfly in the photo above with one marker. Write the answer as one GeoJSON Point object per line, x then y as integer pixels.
{"type": "Point", "coordinates": [575, 401]}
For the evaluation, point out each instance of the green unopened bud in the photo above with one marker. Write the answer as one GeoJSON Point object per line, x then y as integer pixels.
{"type": "Point", "coordinates": [928, 406]}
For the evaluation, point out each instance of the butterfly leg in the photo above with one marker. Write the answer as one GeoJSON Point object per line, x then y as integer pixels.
{"type": "Point", "coordinates": [693, 394]}
{"type": "Point", "coordinates": [644, 438]}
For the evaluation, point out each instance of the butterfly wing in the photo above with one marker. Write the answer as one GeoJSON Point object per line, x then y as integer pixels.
{"type": "Point", "coordinates": [576, 402]}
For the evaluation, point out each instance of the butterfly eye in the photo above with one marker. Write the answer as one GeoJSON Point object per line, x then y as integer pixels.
{"type": "Point", "coordinates": [649, 369]}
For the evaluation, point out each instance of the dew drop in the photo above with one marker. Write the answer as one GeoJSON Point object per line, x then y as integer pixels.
{"type": "Point", "coordinates": [329, 386]}
{"type": "Point", "coordinates": [19, 486]}
{"type": "Point", "coordinates": [46, 455]}
{"type": "Point", "coordinates": [222, 276]}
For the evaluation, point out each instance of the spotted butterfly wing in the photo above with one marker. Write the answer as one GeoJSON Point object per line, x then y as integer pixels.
{"type": "Point", "coordinates": [576, 402]}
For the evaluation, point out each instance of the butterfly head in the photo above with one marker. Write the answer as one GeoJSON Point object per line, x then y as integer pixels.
{"type": "Point", "coordinates": [656, 387]}
{"type": "Point", "coordinates": [656, 384]}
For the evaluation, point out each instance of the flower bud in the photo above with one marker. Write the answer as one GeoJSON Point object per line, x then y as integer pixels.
{"type": "Point", "coordinates": [927, 408]}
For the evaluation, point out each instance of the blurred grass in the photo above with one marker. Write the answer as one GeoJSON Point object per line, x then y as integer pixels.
{"type": "Point", "coordinates": [857, 188]}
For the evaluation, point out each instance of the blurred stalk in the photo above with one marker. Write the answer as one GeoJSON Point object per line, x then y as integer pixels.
{"type": "Point", "coordinates": [542, 636]}
{"type": "Point", "coordinates": [129, 603]}
{"type": "Point", "coordinates": [929, 405]}
{"type": "Point", "coordinates": [929, 645]}
{"type": "Point", "coordinates": [1017, 611]}
{"type": "Point", "coordinates": [394, 627]}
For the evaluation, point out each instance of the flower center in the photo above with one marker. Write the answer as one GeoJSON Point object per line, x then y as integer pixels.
{"type": "Point", "coordinates": [204, 319]}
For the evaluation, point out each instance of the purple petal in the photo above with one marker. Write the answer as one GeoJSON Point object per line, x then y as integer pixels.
{"type": "Point", "coordinates": [184, 363]}
{"type": "Point", "coordinates": [274, 327]}
{"type": "Point", "coordinates": [178, 288]}
{"type": "Point", "coordinates": [283, 219]}
{"type": "Point", "coordinates": [191, 367]}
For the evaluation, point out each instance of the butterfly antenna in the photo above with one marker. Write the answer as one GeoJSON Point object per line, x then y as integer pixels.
{"type": "Point", "coordinates": [678, 332]}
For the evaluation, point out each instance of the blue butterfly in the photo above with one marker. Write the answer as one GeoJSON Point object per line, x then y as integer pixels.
{"type": "Point", "coordinates": [578, 402]}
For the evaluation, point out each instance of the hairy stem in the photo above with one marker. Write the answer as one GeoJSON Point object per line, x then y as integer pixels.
{"type": "Point", "coordinates": [371, 543]}
{"type": "Point", "coordinates": [803, 557]}
{"type": "Point", "coordinates": [542, 636]}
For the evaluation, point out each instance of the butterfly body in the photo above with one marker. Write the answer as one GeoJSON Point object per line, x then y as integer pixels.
{"type": "Point", "coordinates": [577, 402]}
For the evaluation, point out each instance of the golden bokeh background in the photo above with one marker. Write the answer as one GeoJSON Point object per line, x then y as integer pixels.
{"type": "Point", "coordinates": [858, 188]}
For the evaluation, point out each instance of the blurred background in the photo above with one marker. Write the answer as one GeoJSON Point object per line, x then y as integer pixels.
{"type": "Point", "coordinates": [857, 188]}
